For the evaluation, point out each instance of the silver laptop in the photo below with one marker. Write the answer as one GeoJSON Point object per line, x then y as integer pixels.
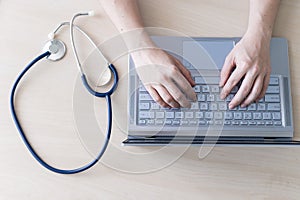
{"type": "Point", "coordinates": [209, 120]}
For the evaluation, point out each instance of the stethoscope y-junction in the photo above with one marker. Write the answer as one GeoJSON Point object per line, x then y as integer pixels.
{"type": "Point", "coordinates": [55, 50]}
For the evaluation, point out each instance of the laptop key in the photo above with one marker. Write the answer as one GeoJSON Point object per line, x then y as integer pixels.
{"type": "Point", "coordinates": [235, 122]}
{"type": "Point", "coordinates": [208, 115]}
{"type": "Point", "coordinates": [227, 122]}
{"type": "Point", "coordinates": [198, 115]}
{"type": "Point", "coordinates": [237, 115]}
{"type": "Point", "coordinates": [179, 115]}
{"type": "Point", "coordinates": [194, 105]}
{"type": "Point", "coordinates": [273, 98]}
{"type": "Point", "coordinates": [169, 115]}
{"type": "Point", "coordinates": [184, 122]}
{"type": "Point", "coordinates": [276, 115]}
{"type": "Point", "coordinates": [261, 107]}
{"type": "Point", "coordinates": [210, 122]}
{"type": "Point", "coordinates": [218, 122]}
{"type": "Point", "coordinates": [202, 122]}
{"type": "Point", "coordinates": [213, 106]}
{"type": "Point", "coordinates": [146, 115]}
{"type": "Point", "coordinates": [144, 106]}
{"type": "Point", "coordinates": [257, 115]}
{"type": "Point", "coordinates": [277, 123]}
{"type": "Point", "coordinates": [272, 90]}
{"type": "Point", "coordinates": [273, 107]}
{"type": "Point", "coordinates": [244, 123]}
{"type": "Point", "coordinates": [240, 108]}
{"type": "Point", "coordinates": [252, 123]}
{"type": "Point", "coordinates": [274, 81]}
{"type": "Point", "coordinates": [210, 97]}
{"type": "Point", "coordinates": [145, 97]}
{"type": "Point", "coordinates": [260, 123]}
{"type": "Point", "coordinates": [252, 107]}
{"type": "Point", "coordinates": [266, 115]}
{"type": "Point", "coordinates": [223, 106]}
{"type": "Point", "coordinates": [203, 106]}
{"type": "Point", "coordinates": [215, 89]}
{"type": "Point", "coordinates": [168, 122]}
{"type": "Point", "coordinates": [197, 88]}
{"type": "Point", "coordinates": [142, 121]}
{"type": "Point", "coordinates": [201, 97]}
{"type": "Point", "coordinates": [205, 88]}
{"type": "Point", "coordinates": [193, 122]}
{"type": "Point", "coordinates": [154, 106]}
{"type": "Point", "coordinates": [228, 115]}
{"type": "Point", "coordinates": [247, 115]}
{"type": "Point", "coordinates": [176, 122]}
{"type": "Point", "coordinates": [218, 115]}
{"type": "Point", "coordinates": [160, 115]}
{"type": "Point", "coordinates": [269, 123]}
{"type": "Point", "coordinates": [159, 122]}
{"type": "Point", "coordinates": [189, 115]}
{"type": "Point", "coordinates": [150, 121]}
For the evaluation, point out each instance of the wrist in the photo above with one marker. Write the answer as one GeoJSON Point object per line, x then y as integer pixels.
{"type": "Point", "coordinates": [137, 39]}
{"type": "Point", "coordinates": [259, 34]}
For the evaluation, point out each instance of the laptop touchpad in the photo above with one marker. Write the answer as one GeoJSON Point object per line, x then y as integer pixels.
{"type": "Point", "coordinates": [206, 55]}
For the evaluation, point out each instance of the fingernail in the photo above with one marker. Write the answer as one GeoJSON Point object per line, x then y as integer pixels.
{"type": "Point", "coordinates": [243, 105]}
{"type": "Point", "coordinates": [220, 84]}
{"type": "Point", "coordinates": [195, 98]}
{"type": "Point", "coordinates": [230, 106]}
{"type": "Point", "coordinates": [222, 96]}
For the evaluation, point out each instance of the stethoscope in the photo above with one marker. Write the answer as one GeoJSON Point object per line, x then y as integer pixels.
{"type": "Point", "coordinates": [55, 50]}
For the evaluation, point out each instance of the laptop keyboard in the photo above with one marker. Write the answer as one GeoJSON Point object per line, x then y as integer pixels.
{"type": "Point", "coordinates": [211, 110]}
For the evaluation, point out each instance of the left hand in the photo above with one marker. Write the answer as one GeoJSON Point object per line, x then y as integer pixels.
{"type": "Point", "coordinates": [248, 61]}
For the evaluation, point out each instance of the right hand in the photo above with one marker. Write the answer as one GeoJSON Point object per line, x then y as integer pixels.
{"type": "Point", "coordinates": [168, 82]}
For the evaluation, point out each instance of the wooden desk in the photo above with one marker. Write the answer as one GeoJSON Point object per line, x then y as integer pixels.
{"type": "Point", "coordinates": [45, 109]}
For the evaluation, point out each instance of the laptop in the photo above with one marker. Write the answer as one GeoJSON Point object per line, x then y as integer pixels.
{"type": "Point", "coordinates": [209, 121]}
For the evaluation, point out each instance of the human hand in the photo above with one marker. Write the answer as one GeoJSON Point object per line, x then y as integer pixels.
{"type": "Point", "coordinates": [248, 61]}
{"type": "Point", "coordinates": [165, 78]}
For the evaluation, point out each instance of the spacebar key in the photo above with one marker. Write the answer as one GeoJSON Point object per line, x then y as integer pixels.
{"type": "Point", "coordinates": [207, 80]}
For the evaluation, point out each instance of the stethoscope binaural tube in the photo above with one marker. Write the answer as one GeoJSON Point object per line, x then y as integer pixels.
{"type": "Point", "coordinates": [83, 77]}
{"type": "Point", "coordinates": [57, 51]}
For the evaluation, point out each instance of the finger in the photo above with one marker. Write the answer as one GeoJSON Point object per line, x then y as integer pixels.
{"type": "Point", "coordinates": [166, 96]}
{"type": "Point", "coordinates": [265, 86]}
{"type": "Point", "coordinates": [156, 97]}
{"type": "Point", "coordinates": [182, 83]}
{"type": "Point", "coordinates": [255, 92]}
{"type": "Point", "coordinates": [243, 91]}
{"type": "Point", "coordinates": [234, 78]}
{"type": "Point", "coordinates": [186, 73]}
{"type": "Point", "coordinates": [226, 70]}
{"type": "Point", "coordinates": [178, 95]}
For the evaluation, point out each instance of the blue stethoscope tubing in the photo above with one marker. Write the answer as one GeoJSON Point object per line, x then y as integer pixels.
{"type": "Point", "coordinates": [106, 95]}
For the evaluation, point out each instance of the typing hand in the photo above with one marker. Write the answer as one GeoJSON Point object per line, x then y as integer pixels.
{"type": "Point", "coordinates": [248, 61]}
{"type": "Point", "coordinates": [165, 78]}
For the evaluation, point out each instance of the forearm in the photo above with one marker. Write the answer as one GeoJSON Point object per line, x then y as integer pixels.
{"type": "Point", "coordinates": [126, 17]}
{"type": "Point", "coordinates": [123, 13]}
{"type": "Point", "coordinates": [262, 16]}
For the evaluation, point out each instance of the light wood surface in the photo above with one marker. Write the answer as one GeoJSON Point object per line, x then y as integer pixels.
{"type": "Point", "coordinates": [51, 91]}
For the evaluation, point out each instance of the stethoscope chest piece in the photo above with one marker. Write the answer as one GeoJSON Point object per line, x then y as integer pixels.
{"type": "Point", "coordinates": [57, 49]}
